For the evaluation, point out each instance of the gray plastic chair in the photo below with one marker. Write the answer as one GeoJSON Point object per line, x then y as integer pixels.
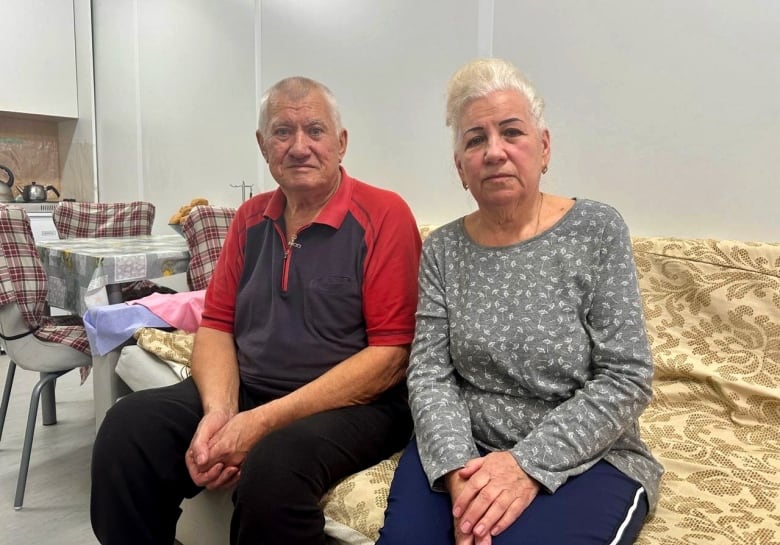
{"type": "Point", "coordinates": [34, 341]}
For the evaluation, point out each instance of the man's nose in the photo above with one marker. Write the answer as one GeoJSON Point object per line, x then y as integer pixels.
{"type": "Point", "coordinates": [300, 144]}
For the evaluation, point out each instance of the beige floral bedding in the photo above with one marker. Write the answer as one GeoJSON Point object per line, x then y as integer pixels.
{"type": "Point", "coordinates": [713, 316]}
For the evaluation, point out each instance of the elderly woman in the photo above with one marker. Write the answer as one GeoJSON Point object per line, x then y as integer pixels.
{"type": "Point", "coordinates": [530, 364]}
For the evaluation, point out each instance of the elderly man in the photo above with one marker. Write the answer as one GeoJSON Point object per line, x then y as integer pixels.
{"type": "Point", "coordinates": [299, 363]}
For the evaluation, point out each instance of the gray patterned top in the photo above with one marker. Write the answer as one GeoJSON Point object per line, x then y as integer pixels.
{"type": "Point", "coordinates": [539, 348]}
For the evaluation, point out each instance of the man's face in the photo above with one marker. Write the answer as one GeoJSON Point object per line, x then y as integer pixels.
{"type": "Point", "coordinates": [301, 144]}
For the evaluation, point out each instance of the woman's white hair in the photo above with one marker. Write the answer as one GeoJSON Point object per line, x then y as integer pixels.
{"type": "Point", "coordinates": [479, 78]}
{"type": "Point", "coordinates": [296, 88]}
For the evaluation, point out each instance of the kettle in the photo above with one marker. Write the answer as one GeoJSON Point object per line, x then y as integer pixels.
{"type": "Point", "coordinates": [5, 187]}
{"type": "Point", "coordinates": [35, 192]}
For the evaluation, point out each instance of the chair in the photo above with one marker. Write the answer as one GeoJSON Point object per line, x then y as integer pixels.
{"type": "Point", "coordinates": [49, 345]}
{"type": "Point", "coordinates": [205, 229]}
{"type": "Point", "coordinates": [99, 219]}
{"type": "Point", "coordinates": [114, 219]}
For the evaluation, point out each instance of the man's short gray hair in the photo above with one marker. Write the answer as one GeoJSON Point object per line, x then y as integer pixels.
{"type": "Point", "coordinates": [296, 88]}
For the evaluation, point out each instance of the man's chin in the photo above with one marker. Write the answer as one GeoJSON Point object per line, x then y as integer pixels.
{"type": "Point", "coordinates": [305, 180]}
{"type": "Point", "coordinates": [301, 168]}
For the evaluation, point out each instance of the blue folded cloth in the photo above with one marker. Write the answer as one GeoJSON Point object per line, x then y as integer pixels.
{"type": "Point", "coordinates": [110, 326]}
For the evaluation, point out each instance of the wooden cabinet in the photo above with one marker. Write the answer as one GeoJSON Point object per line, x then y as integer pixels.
{"type": "Point", "coordinates": [38, 58]}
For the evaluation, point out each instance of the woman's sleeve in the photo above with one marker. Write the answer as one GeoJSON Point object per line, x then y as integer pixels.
{"type": "Point", "coordinates": [441, 419]}
{"type": "Point", "coordinates": [580, 432]}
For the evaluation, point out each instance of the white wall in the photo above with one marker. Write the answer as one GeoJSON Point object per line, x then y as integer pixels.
{"type": "Point", "coordinates": [77, 136]}
{"type": "Point", "coordinates": [386, 62]}
{"type": "Point", "coordinates": [667, 110]}
{"type": "Point", "coordinates": [175, 101]}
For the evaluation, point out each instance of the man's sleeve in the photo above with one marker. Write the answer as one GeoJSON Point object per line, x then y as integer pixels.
{"type": "Point", "coordinates": [390, 279]}
{"type": "Point", "coordinates": [219, 306]}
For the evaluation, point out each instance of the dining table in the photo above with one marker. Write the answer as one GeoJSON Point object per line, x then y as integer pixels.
{"type": "Point", "coordinates": [86, 272]}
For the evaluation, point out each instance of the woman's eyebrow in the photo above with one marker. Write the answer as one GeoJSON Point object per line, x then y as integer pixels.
{"type": "Point", "coordinates": [500, 124]}
{"type": "Point", "coordinates": [511, 120]}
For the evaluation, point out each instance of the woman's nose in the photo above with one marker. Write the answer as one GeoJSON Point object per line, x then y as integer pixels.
{"type": "Point", "coordinates": [494, 150]}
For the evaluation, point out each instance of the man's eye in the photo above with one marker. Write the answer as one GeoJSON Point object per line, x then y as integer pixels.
{"type": "Point", "coordinates": [316, 131]}
{"type": "Point", "coordinates": [281, 132]}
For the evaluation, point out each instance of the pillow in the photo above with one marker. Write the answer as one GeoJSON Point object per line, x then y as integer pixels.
{"type": "Point", "coordinates": [141, 370]}
{"type": "Point", "coordinates": [359, 501]}
{"type": "Point", "coordinates": [174, 346]}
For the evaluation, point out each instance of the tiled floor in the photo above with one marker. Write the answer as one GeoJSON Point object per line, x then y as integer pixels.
{"type": "Point", "coordinates": [56, 502]}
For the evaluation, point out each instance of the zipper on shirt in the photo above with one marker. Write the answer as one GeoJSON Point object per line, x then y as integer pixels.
{"type": "Point", "coordinates": [288, 246]}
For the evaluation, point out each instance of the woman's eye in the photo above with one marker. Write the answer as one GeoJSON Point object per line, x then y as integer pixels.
{"type": "Point", "coordinates": [513, 132]}
{"type": "Point", "coordinates": [474, 141]}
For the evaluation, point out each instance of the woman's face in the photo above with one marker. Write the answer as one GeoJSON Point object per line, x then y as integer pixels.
{"type": "Point", "coordinates": [500, 152]}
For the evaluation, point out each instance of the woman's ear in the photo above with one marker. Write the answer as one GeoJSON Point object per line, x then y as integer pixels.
{"type": "Point", "coordinates": [546, 150]}
{"type": "Point", "coordinates": [458, 165]}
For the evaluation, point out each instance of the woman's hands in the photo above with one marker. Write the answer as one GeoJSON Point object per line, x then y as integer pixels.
{"type": "Point", "coordinates": [488, 495]}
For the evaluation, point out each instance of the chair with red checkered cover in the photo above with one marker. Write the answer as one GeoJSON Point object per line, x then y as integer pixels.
{"type": "Point", "coordinates": [108, 219]}
{"type": "Point", "coordinates": [34, 341]}
{"type": "Point", "coordinates": [103, 219]}
{"type": "Point", "coordinates": [205, 229]}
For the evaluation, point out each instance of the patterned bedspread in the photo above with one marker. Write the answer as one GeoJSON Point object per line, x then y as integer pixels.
{"type": "Point", "coordinates": [713, 316]}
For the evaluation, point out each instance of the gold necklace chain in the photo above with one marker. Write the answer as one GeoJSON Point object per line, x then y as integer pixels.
{"type": "Point", "coordinates": [539, 213]}
{"type": "Point", "coordinates": [474, 231]}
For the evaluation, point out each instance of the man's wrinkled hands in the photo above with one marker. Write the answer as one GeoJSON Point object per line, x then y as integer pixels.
{"type": "Point", "coordinates": [489, 494]}
{"type": "Point", "coordinates": [206, 467]}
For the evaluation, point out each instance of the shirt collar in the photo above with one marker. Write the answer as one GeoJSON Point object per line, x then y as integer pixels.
{"type": "Point", "coordinates": [332, 214]}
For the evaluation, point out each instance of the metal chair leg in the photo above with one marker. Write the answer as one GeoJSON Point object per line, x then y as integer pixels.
{"type": "Point", "coordinates": [9, 381]}
{"type": "Point", "coordinates": [48, 403]}
{"type": "Point", "coordinates": [46, 379]}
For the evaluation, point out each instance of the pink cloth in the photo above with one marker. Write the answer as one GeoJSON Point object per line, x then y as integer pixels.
{"type": "Point", "coordinates": [182, 310]}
